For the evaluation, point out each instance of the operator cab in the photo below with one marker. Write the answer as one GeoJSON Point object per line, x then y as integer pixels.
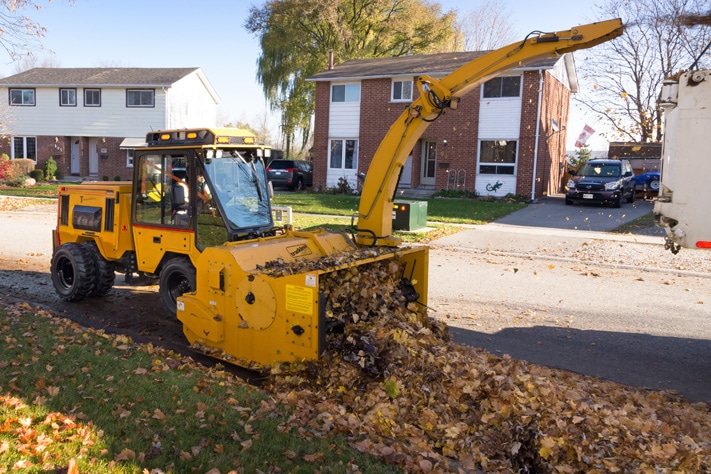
{"type": "Point", "coordinates": [212, 182]}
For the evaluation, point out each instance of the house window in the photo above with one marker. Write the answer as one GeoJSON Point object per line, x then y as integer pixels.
{"type": "Point", "coordinates": [129, 157]}
{"type": "Point", "coordinates": [67, 97]}
{"type": "Point", "coordinates": [402, 91]}
{"type": "Point", "coordinates": [497, 157]}
{"type": "Point", "coordinates": [507, 86]}
{"type": "Point", "coordinates": [140, 98]}
{"type": "Point", "coordinates": [24, 147]}
{"type": "Point", "coordinates": [345, 93]}
{"type": "Point", "coordinates": [22, 97]}
{"type": "Point", "coordinates": [92, 97]}
{"type": "Point", "coordinates": [344, 154]}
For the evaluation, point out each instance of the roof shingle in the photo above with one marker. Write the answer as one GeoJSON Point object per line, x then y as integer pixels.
{"type": "Point", "coordinates": [45, 76]}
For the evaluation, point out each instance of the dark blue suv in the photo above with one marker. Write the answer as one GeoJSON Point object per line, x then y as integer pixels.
{"type": "Point", "coordinates": [602, 182]}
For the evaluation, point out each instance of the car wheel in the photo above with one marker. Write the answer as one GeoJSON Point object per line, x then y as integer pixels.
{"type": "Point", "coordinates": [299, 186]}
{"type": "Point", "coordinates": [631, 197]}
{"type": "Point", "coordinates": [654, 185]}
{"type": "Point", "coordinates": [568, 202]}
{"type": "Point", "coordinates": [73, 272]}
{"type": "Point", "coordinates": [617, 203]}
{"type": "Point", "coordinates": [176, 278]}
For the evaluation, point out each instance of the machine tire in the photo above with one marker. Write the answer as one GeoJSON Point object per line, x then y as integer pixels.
{"type": "Point", "coordinates": [73, 272]}
{"type": "Point", "coordinates": [568, 202]}
{"type": "Point", "coordinates": [617, 203]}
{"type": "Point", "coordinates": [299, 185]}
{"type": "Point", "coordinates": [105, 271]}
{"type": "Point", "coordinates": [176, 278]}
{"type": "Point", "coordinates": [631, 197]}
{"type": "Point", "coordinates": [654, 185]}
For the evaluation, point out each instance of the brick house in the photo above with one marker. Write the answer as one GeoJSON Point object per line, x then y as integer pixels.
{"type": "Point", "coordinates": [507, 136]}
{"type": "Point", "coordinates": [89, 119]}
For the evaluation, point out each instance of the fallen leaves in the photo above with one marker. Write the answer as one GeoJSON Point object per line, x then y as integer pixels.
{"type": "Point", "coordinates": [428, 404]}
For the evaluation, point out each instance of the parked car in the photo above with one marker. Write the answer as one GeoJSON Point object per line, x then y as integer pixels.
{"type": "Point", "coordinates": [648, 181]}
{"type": "Point", "coordinates": [602, 181]}
{"type": "Point", "coordinates": [292, 174]}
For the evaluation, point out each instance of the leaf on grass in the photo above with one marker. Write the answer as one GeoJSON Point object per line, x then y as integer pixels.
{"type": "Point", "coordinates": [315, 457]}
{"type": "Point", "coordinates": [125, 455]}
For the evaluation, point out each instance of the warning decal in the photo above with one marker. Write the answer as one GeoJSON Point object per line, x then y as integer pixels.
{"type": "Point", "coordinates": [299, 299]}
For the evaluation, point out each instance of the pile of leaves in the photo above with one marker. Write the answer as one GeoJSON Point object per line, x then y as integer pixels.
{"type": "Point", "coordinates": [396, 385]}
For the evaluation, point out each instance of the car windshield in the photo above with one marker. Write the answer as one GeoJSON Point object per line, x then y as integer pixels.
{"type": "Point", "coordinates": [599, 170]}
{"type": "Point", "coordinates": [238, 180]}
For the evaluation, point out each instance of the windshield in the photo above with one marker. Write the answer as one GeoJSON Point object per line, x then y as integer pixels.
{"type": "Point", "coordinates": [600, 170]}
{"type": "Point", "coordinates": [237, 179]}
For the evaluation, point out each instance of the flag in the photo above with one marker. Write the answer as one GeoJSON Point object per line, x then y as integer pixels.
{"type": "Point", "coordinates": [584, 135]}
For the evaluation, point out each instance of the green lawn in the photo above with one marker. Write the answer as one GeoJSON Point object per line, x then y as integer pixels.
{"type": "Point", "coordinates": [458, 211]}
{"type": "Point", "coordinates": [452, 211]}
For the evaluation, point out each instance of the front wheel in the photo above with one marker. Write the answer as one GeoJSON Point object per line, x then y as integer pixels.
{"type": "Point", "coordinates": [105, 272]}
{"type": "Point", "coordinates": [73, 272]}
{"type": "Point", "coordinates": [654, 185]}
{"type": "Point", "coordinates": [176, 278]}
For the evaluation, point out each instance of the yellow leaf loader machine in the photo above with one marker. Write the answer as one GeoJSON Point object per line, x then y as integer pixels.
{"type": "Point", "coordinates": [214, 246]}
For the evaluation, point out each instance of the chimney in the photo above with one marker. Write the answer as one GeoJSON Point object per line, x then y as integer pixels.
{"type": "Point", "coordinates": [330, 59]}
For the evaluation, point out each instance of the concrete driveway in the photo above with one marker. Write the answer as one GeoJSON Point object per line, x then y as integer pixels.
{"type": "Point", "coordinates": [551, 212]}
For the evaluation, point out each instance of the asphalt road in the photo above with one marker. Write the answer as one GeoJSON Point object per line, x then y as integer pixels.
{"type": "Point", "coordinates": [619, 307]}
{"type": "Point", "coordinates": [616, 307]}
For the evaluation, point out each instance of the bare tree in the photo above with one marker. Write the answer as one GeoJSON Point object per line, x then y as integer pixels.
{"type": "Point", "coordinates": [30, 61]}
{"type": "Point", "coordinates": [20, 37]}
{"type": "Point", "coordinates": [485, 27]}
{"type": "Point", "coordinates": [621, 80]}
{"type": "Point", "coordinates": [19, 34]}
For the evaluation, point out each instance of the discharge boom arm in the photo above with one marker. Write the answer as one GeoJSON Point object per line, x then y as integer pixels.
{"type": "Point", "coordinates": [435, 95]}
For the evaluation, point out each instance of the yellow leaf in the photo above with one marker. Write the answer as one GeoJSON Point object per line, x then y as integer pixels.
{"type": "Point", "coordinates": [125, 455]}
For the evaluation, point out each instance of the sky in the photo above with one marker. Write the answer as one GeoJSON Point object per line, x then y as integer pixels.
{"type": "Point", "coordinates": [209, 34]}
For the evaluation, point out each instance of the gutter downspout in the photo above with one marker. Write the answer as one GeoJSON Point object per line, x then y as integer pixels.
{"type": "Point", "coordinates": [538, 135]}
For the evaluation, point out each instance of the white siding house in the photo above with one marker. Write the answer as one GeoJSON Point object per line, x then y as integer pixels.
{"type": "Point", "coordinates": [87, 119]}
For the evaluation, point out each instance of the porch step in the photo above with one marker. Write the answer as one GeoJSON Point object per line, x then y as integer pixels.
{"type": "Point", "coordinates": [420, 192]}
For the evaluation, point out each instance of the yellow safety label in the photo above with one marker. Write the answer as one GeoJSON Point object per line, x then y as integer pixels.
{"type": "Point", "coordinates": [299, 299]}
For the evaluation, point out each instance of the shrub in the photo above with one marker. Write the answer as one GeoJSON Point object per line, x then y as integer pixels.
{"type": "Point", "coordinates": [117, 178]}
{"type": "Point", "coordinates": [455, 193]}
{"type": "Point", "coordinates": [105, 178]}
{"type": "Point", "coordinates": [343, 186]}
{"type": "Point", "coordinates": [4, 166]}
{"type": "Point", "coordinates": [17, 170]}
{"type": "Point", "coordinates": [38, 175]}
{"type": "Point", "coordinates": [50, 168]}
{"type": "Point", "coordinates": [23, 165]}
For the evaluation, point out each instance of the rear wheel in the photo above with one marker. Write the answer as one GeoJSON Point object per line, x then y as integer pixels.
{"type": "Point", "coordinates": [105, 272]}
{"type": "Point", "coordinates": [176, 278]}
{"type": "Point", "coordinates": [631, 197]}
{"type": "Point", "coordinates": [654, 185]}
{"type": "Point", "coordinates": [73, 272]}
{"type": "Point", "coordinates": [299, 185]}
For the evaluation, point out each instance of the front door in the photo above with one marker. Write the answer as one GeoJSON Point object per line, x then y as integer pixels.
{"type": "Point", "coordinates": [93, 157]}
{"type": "Point", "coordinates": [429, 163]}
{"type": "Point", "coordinates": [75, 157]}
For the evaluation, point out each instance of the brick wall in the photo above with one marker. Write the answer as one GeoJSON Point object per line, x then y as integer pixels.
{"type": "Point", "coordinates": [460, 129]}
{"type": "Point", "coordinates": [321, 119]}
{"type": "Point", "coordinates": [59, 148]}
